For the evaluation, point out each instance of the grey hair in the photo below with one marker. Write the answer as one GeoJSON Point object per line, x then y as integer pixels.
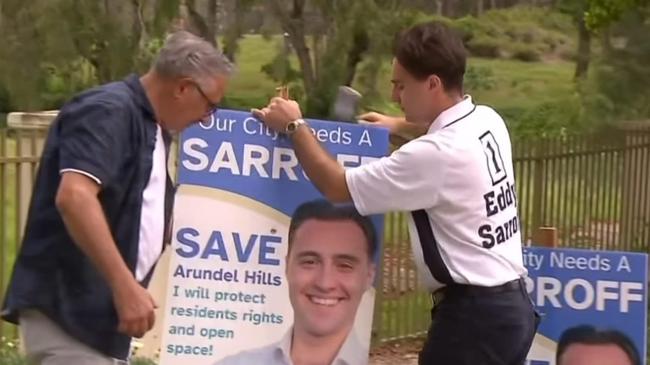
{"type": "Point", "coordinates": [187, 55]}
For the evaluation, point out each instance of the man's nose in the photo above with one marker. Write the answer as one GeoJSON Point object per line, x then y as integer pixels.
{"type": "Point", "coordinates": [326, 278]}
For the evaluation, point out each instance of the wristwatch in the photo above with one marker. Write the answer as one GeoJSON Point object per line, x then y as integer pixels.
{"type": "Point", "coordinates": [292, 127]}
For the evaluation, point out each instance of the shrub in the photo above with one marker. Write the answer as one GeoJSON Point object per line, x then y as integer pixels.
{"type": "Point", "coordinates": [479, 78]}
{"type": "Point", "coordinates": [484, 46]}
{"type": "Point", "coordinates": [527, 53]}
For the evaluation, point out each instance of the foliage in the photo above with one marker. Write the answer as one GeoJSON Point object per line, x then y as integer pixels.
{"type": "Point", "coordinates": [621, 77]}
{"type": "Point", "coordinates": [142, 361]}
{"type": "Point", "coordinates": [54, 48]}
{"type": "Point", "coordinates": [522, 32]}
{"type": "Point", "coordinates": [479, 78]}
{"type": "Point", "coordinates": [9, 354]}
{"type": "Point", "coordinates": [601, 13]}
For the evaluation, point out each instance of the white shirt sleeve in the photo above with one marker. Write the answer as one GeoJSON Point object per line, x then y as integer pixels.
{"type": "Point", "coordinates": [409, 179]}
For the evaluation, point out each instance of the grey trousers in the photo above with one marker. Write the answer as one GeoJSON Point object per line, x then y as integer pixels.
{"type": "Point", "coordinates": [47, 344]}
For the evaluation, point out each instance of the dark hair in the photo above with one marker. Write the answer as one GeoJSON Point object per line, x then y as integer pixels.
{"type": "Point", "coordinates": [324, 210]}
{"type": "Point", "coordinates": [589, 335]}
{"type": "Point", "coordinates": [432, 49]}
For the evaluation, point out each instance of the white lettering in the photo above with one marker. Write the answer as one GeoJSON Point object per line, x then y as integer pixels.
{"type": "Point", "coordinates": [569, 294]}
{"type": "Point", "coordinates": [287, 165]}
{"type": "Point", "coordinates": [624, 265]}
{"type": "Point", "coordinates": [255, 156]}
{"type": "Point", "coordinates": [225, 158]}
{"type": "Point", "coordinates": [627, 296]}
{"type": "Point", "coordinates": [549, 292]}
{"type": "Point", "coordinates": [188, 148]}
{"type": "Point", "coordinates": [365, 138]}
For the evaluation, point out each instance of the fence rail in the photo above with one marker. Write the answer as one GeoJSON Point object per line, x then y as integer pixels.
{"type": "Point", "coordinates": [595, 189]}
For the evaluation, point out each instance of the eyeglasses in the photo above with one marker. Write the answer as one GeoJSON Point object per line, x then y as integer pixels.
{"type": "Point", "coordinates": [213, 107]}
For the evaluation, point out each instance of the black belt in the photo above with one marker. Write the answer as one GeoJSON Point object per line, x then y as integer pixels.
{"type": "Point", "coordinates": [466, 289]}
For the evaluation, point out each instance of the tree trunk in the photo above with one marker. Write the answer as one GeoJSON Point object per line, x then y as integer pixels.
{"type": "Point", "coordinates": [493, 4]}
{"type": "Point", "coordinates": [479, 7]}
{"type": "Point", "coordinates": [139, 28]}
{"type": "Point", "coordinates": [211, 18]}
{"type": "Point", "coordinates": [198, 22]}
{"type": "Point", "coordinates": [359, 46]}
{"type": "Point", "coordinates": [584, 50]}
{"type": "Point", "coordinates": [294, 25]}
{"type": "Point", "coordinates": [606, 40]}
{"type": "Point", "coordinates": [439, 7]}
{"type": "Point", "coordinates": [234, 31]}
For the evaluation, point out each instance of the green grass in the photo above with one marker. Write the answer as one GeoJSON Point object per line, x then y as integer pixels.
{"type": "Point", "coordinates": [249, 86]}
{"type": "Point", "coordinates": [524, 84]}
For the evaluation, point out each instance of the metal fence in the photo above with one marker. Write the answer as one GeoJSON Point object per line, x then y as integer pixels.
{"type": "Point", "coordinates": [594, 189]}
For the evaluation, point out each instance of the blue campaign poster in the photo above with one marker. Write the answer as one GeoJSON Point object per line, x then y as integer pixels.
{"type": "Point", "coordinates": [239, 183]}
{"type": "Point", "coordinates": [573, 288]}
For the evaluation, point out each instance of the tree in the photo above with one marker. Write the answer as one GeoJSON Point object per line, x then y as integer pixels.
{"type": "Point", "coordinates": [576, 9]}
{"type": "Point", "coordinates": [53, 48]}
{"type": "Point", "coordinates": [601, 13]}
{"type": "Point", "coordinates": [622, 76]}
{"type": "Point", "coordinates": [342, 33]}
{"type": "Point", "coordinates": [235, 29]}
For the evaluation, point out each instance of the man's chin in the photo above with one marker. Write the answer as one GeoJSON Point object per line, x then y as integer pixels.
{"type": "Point", "coordinates": [325, 330]}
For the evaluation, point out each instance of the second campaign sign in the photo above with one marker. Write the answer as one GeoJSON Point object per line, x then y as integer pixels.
{"type": "Point", "coordinates": [239, 183]}
{"type": "Point", "coordinates": [587, 296]}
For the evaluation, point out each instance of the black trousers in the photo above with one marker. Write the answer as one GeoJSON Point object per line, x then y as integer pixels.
{"type": "Point", "coordinates": [481, 327]}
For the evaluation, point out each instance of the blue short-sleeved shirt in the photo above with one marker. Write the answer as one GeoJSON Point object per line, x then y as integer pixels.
{"type": "Point", "coordinates": [109, 134]}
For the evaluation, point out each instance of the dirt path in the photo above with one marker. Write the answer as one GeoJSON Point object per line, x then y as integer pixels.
{"type": "Point", "coordinates": [404, 352]}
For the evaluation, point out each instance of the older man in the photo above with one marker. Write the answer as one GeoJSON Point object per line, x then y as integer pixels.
{"type": "Point", "coordinates": [101, 207]}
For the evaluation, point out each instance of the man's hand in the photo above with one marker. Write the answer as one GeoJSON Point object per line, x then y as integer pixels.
{"type": "Point", "coordinates": [401, 131]}
{"type": "Point", "coordinates": [278, 113]}
{"type": "Point", "coordinates": [393, 124]}
{"type": "Point", "coordinates": [84, 219]}
{"type": "Point", "coordinates": [135, 309]}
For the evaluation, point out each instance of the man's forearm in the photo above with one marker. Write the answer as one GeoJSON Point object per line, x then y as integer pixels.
{"type": "Point", "coordinates": [86, 224]}
{"type": "Point", "coordinates": [323, 170]}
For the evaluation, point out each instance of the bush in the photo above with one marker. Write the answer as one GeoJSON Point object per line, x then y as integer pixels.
{"type": "Point", "coordinates": [550, 118]}
{"type": "Point", "coordinates": [479, 78]}
{"type": "Point", "coordinates": [9, 354]}
{"type": "Point", "coordinates": [484, 46]}
{"type": "Point", "coordinates": [526, 53]}
{"type": "Point", "coordinates": [500, 33]}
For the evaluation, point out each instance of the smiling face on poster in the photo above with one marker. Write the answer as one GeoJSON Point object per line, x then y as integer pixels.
{"type": "Point", "coordinates": [329, 269]}
{"type": "Point", "coordinates": [249, 274]}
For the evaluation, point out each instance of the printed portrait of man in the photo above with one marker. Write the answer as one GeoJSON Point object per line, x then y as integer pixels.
{"type": "Point", "coordinates": [329, 267]}
{"type": "Point", "coordinates": [586, 345]}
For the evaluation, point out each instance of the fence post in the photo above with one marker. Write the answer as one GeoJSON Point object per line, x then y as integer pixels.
{"type": "Point", "coordinates": [546, 237]}
{"type": "Point", "coordinates": [29, 144]}
{"type": "Point", "coordinates": [538, 187]}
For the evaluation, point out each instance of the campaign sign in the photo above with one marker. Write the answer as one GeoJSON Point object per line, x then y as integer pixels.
{"type": "Point", "coordinates": [239, 183]}
{"type": "Point", "coordinates": [572, 288]}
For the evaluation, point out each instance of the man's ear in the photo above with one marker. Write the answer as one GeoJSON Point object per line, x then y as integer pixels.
{"type": "Point", "coordinates": [434, 82]}
{"type": "Point", "coordinates": [182, 86]}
